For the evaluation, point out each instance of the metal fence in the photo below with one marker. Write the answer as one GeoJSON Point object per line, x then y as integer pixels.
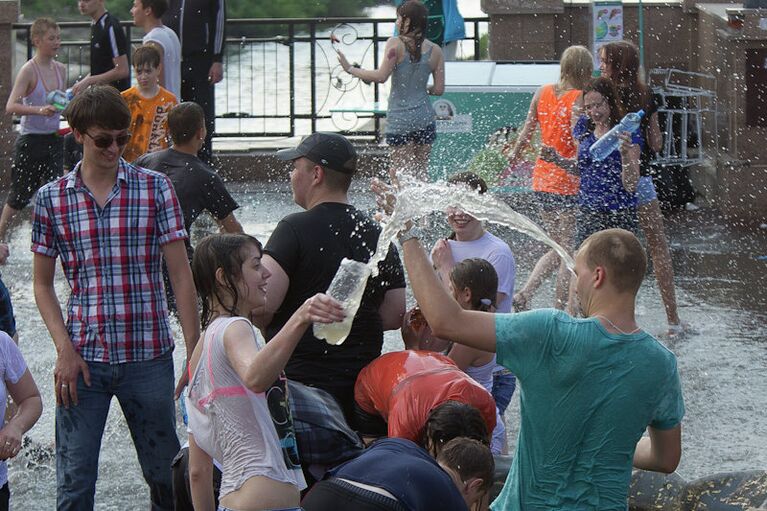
{"type": "Point", "coordinates": [281, 76]}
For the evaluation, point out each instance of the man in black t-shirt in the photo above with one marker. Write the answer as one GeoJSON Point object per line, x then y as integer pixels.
{"type": "Point", "coordinates": [303, 255]}
{"type": "Point", "coordinates": [109, 49]}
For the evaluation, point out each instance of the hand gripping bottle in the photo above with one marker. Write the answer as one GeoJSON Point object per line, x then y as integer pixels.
{"type": "Point", "coordinates": [59, 99]}
{"type": "Point", "coordinates": [609, 142]}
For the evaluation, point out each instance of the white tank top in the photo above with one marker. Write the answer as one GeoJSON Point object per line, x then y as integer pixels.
{"type": "Point", "coordinates": [250, 434]}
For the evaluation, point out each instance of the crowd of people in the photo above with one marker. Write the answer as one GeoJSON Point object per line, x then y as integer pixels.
{"type": "Point", "coordinates": [277, 419]}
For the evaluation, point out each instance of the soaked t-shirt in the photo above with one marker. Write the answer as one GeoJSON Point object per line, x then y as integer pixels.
{"type": "Point", "coordinates": [587, 397]}
{"type": "Point", "coordinates": [12, 368]}
{"type": "Point", "coordinates": [148, 123]}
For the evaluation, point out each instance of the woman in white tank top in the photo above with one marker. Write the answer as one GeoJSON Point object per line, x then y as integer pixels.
{"type": "Point", "coordinates": [237, 400]}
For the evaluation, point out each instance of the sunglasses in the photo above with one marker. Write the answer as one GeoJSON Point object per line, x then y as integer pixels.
{"type": "Point", "coordinates": [105, 141]}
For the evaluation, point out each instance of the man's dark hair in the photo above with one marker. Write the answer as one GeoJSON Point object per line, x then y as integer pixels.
{"type": "Point", "coordinates": [158, 7]}
{"type": "Point", "coordinates": [335, 180]}
{"type": "Point", "coordinates": [452, 419]}
{"type": "Point", "coordinates": [469, 458]}
{"type": "Point", "coordinates": [184, 121]}
{"type": "Point", "coordinates": [98, 105]}
{"type": "Point", "coordinates": [146, 55]}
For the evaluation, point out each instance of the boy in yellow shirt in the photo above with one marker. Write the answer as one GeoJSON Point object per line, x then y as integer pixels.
{"type": "Point", "coordinates": [149, 105]}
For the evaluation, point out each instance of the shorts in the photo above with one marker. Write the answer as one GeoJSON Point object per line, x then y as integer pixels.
{"type": "Point", "coordinates": [7, 319]}
{"type": "Point", "coordinates": [333, 494]}
{"type": "Point", "coordinates": [37, 160]}
{"type": "Point", "coordinates": [369, 424]}
{"type": "Point", "coordinates": [424, 136]}
{"type": "Point", "coordinates": [504, 384]}
{"type": "Point", "coordinates": [554, 201]}
{"type": "Point", "coordinates": [646, 191]}
{"type": "Point", "coordinates": [591, 221]}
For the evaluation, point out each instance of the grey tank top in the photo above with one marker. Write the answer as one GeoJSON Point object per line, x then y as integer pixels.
{"type": "Point", "coordinates": [40, 124]}
{"type": "Point", "coordinates": [409, 105]}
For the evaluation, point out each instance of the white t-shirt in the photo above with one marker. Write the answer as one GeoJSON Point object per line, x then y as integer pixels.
{"type": "Point", "coordinates": [498, 253]}
{"type": "Point", "coordinates": [12, 368]}
{"type": "Point", "coordinates": [171, 59]}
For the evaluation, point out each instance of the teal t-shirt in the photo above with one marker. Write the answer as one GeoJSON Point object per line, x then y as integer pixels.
{"type": "Point", "coordinates": [586, 398]}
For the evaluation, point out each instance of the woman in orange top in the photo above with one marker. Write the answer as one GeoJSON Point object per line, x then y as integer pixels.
{"type": "Point", "coordinates": [554, 108]}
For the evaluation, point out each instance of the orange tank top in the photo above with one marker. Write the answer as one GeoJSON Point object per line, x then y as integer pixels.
{"type": "Point", "coordinates": [554, 119]}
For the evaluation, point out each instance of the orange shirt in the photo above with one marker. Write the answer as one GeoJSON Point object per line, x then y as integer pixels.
{"type": "Point", "coordinates": [403, 387]}
{"type": "Point", "coordinates": [149, 122]}
{"type": "Point", "coordinates": [554, 116]}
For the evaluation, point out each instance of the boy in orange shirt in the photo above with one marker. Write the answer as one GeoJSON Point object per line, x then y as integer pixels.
{"type": "Point", "coordinates": [149, 105]}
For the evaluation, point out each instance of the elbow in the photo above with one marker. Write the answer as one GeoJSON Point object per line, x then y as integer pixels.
{"type": "Point", "coordinates": [437, 91]}
{"type": "Point", "coordinates": [257, 384]}
{"type": "Point", "coordinates": [670, 461]}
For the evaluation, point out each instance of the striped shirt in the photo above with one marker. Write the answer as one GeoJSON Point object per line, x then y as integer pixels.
{"type": "Point", "coordinates": [112, 259]}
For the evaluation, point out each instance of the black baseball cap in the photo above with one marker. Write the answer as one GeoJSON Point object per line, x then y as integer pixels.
{"type": "Point", "coordinates": [330, 150]}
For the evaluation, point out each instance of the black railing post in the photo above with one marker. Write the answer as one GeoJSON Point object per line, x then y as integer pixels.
{"type": "Point", "coordinates": [476, 41]}
{"type": "Point", "coordinates": [312, 70]}
{"type": "Point", "coordinates": [292, 67]}
{"type": "Point", "coordinates": [376, 85]}
{"type": "Point", "coordinates": [29, 42]}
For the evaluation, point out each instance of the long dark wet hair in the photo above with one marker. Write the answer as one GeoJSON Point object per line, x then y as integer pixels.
{"type": "Point", "coordinates": [418, 17]}
{"type": "Point", "coordinates": [622, 57]}
{"type": "Point", "coordinates": [606, 88]}
{"type": "Point", "coordinates": [225, 251]}
{"type": "Point", "coordinates": [482, 280]}
{"type": "Point", "coordinates": [449, 420]}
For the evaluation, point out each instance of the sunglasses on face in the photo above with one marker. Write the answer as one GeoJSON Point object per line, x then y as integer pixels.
{"type": "Point", "coordinates": [104, 141]}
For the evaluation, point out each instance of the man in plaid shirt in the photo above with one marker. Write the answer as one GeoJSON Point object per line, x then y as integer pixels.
{"type": "Point", "coordinates": [111, 223]}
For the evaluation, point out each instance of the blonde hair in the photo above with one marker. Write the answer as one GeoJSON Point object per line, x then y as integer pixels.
{"type": "Point", "coordinates": [575, 67]}
{"type": "Point", "coordinates": [40, 26]}
{"type": "Point", "coordinates": [619, 252]}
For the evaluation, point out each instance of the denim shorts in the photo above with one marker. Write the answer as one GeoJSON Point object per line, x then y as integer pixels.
{"type": "Point", "coordinates": [646, 191]}
{"type": "Point", "coordinates": [504, 383]}
{"type": "Point", "coordinates": [424, 136]}
{"type": "Point", "coordinates": [554, 201]}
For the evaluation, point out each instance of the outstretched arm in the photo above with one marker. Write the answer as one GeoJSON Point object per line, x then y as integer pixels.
{"type": "Point", "coordinates": [445, 317]}
{"type": "Point", "coordinates": [380, 75]}
{"type": "Point", "coordinates": [531, 123]}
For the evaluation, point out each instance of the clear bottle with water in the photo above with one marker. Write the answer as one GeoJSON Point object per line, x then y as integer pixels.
{"type": "Point", "coordinates": [59, 99]}
{"type": "Point", "coordinates": [609, 142]}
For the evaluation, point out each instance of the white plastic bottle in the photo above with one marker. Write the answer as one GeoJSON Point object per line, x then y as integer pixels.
{"type": "Point", "coordinates": [609, 142]}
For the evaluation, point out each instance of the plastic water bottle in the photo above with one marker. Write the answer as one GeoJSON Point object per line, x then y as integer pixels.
{"type": "Point", "coordinates": [59, 99]}
{"type": "Point", "coordinates": [609, 142]}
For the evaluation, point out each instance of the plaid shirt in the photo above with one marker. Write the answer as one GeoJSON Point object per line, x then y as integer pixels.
{"type": "Point", "coordinates": [112, 259]}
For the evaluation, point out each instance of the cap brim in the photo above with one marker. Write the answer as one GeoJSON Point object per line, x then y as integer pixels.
{"type": "Point", "coordinates": [288, 154]}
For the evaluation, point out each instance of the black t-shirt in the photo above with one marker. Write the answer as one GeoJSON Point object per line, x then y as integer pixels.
{"type": "Point", "coordinates": [198, 188]}
{"type": "Point", "coordinates": [309, 247]}
{"type": "Point", "coordinates": [408, 472]}
{"type": "Point", "coordinates": [108, 42]}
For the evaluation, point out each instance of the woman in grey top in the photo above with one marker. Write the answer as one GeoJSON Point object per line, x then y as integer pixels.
{"type": "Point", "coordinates": [409, 59]}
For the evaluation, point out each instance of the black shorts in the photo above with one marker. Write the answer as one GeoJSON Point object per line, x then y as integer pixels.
{"type": "Point", "coordinates": [37, 160]}
{"type": "Point", "coordinates": [591, 221]}
{"type": "Point", "coordinates": [338, 495]}
{"type": "Point", "coordinates": [423, 136]}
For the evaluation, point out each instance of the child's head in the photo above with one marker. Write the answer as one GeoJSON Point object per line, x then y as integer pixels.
{"type": "Point", "coordinates": [218, 267]}
{"type": "Point", "coordinates": [99, 106]}
{"type": "Point", "coordinates": [184, 122]}
{"type": "Point", "coordinates": [601, 102]}
{"type": "Point", "coordinates": [146, 64]}
{"type": "Point", "coordinates": [474, 283]}
{"type": "Point", "coordinates": [45, 34]}
{"type": "Point", "coordinates": [575, 67]}
{"type": "Point", "coordinates": [449, 420]}
{"type": "Point", "coordinates": [471, 466]}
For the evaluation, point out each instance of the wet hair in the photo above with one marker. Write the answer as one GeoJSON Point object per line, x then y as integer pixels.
{"type": "Point", "coordinates": [622, 256]}
{"type": "Point", "coordinates": [452, 419]}
{"type": "Point", "coordinates": [225, 251]}
{"type": "Point", "coordinates": [417, 16]}
{"type": "Point", "coordinates": [606, 88]}
{"type": "Point", "coordinates": [470, 459]}
{"type": "Point", "coordinates": [98, 105]}
{"type": "Point", "coordinates": [482, 280]}
{"type": "Point", "coordinates": [184, 121]}
{"type": "Point", "coordinates": [146, 55]}
{"type": "Point", "coordinates": [575, 67]}
{"type": "Point", "coordinates": [622, 57]}
{"type": "Point", "coordinates": [40, 26]}
{"type": "Point", "coordinates": [158, 7]}
{"type": "Point", "coordinates": [474, 182]}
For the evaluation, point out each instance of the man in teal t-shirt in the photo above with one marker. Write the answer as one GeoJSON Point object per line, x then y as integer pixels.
{"type": "Point", "coordinates": [589, 387]}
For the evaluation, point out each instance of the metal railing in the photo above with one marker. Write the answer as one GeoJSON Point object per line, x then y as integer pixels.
{"type": "Point", "coordinates": [281, 75]}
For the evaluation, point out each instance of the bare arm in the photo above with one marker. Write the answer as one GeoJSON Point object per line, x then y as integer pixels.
{"type": "Point", "coordinates": [392, 53]}
{"type": "Point", "coordinates": [230, 224]}
{"type": "Point", "coordinates": [654, 135]}
{"type": "Point", "coordinates": [120, 71]}
{"type": "Point", "coordinates": [438, 72]}
{"type": "Point", "coordinates": [69, 363]}
{"type": "Point", "coordinates": [24, 84]}
{"type": "Point", "coordinates": [660, 451]}
{"type": "Point", "coordinates": [201, 477]}
{"type": "Point", "coordinates": [464, 357]}
{"type": "Point", "coordinates": [30, 406]}
{"type": "Point", "coordinates": [392, 309]}
{"type": "Point", "coordinates": [275, 292]}
{"type": "Point", "coordinates": [445, 317]}
{"type": "Point", "coordinates": [630, 163]}
{"type": "Point", "coordinates": [528, 129]}
{"type": "Point", "coordinates": [182, 282]}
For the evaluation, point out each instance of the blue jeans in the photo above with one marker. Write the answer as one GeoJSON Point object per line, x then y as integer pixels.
{"type": "Point", "coordinates": [504, 384]}
{"type": "Point", "coordinates": [145, 393]}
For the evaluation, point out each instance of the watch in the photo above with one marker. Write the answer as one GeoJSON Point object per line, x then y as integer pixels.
{"type": "Point", "coordinates": [413, 232]}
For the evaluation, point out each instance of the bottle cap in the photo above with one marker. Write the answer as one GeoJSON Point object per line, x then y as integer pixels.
{"type": "Point", "coordinates": [640, 113]}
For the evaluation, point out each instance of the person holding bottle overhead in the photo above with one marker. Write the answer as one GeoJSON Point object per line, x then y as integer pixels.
{"type": "Point", "coordinates": [619, 61]}
{"type": "Point", "coordinates": [554, 109]}
{"type": "Point", "coordinates": [409, 59]}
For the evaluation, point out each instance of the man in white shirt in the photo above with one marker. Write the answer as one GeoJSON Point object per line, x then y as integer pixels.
{"type": "Point", "coordinates": [147, 14]}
